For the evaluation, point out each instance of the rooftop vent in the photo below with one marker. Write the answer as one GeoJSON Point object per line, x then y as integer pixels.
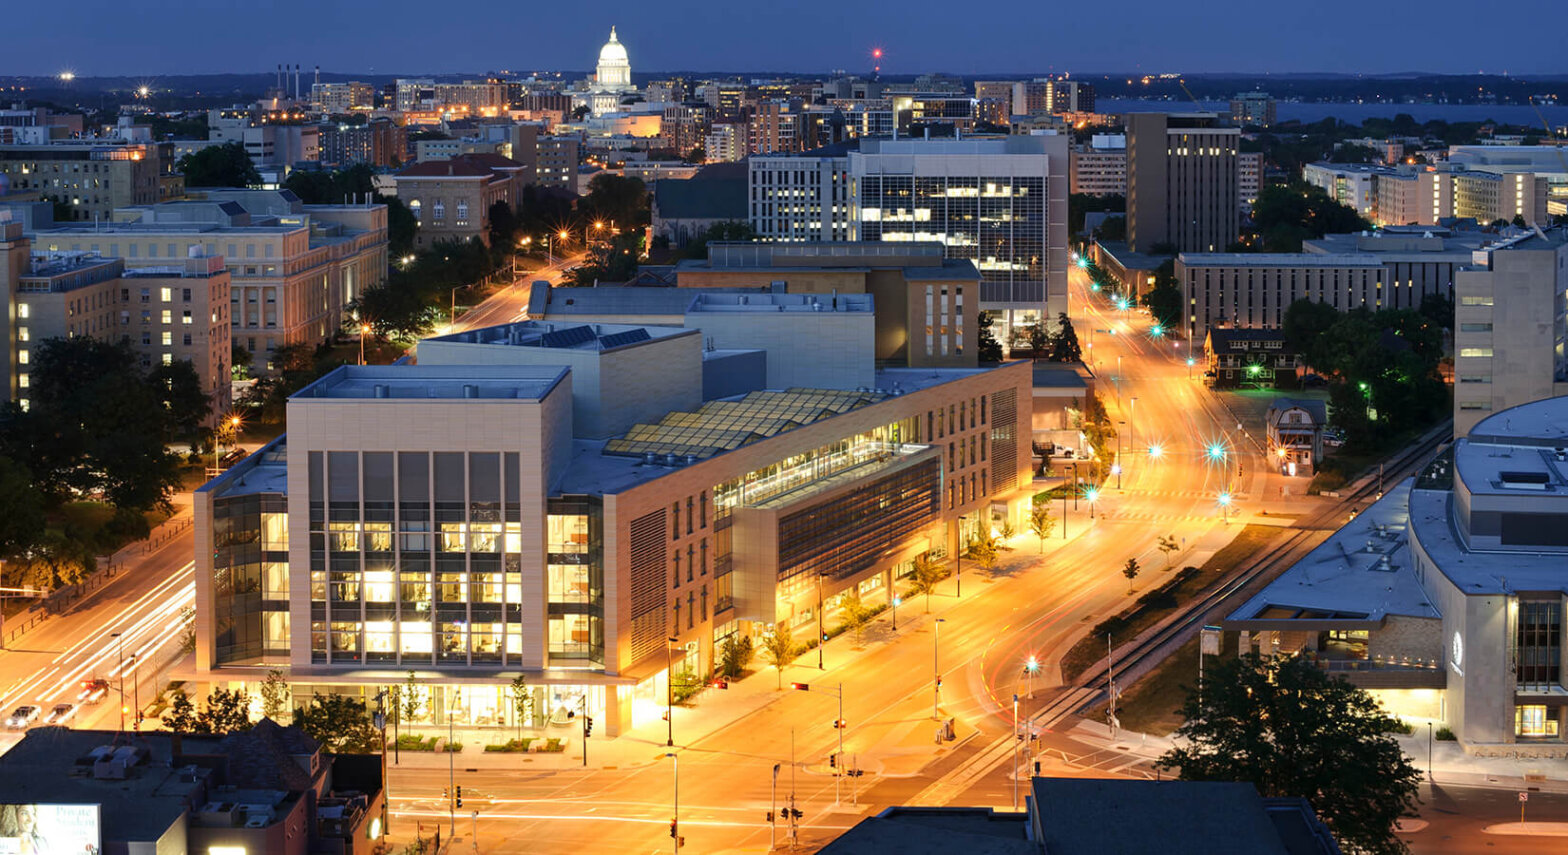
{"type": "Point", "coordinates": [379, 390]}
{"type": "Point", "coordinates": [470, 390]}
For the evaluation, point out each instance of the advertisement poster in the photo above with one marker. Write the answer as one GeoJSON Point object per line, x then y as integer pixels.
{"type": "Point", "coordinates": [52, 829]}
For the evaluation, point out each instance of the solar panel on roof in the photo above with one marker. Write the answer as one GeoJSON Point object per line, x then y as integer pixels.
{"type": "Point", "coordinates": [624, 337]}
{"type": "Point", "coordinates": [568, 337]}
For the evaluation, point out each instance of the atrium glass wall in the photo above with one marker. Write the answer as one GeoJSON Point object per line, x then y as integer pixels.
{"type": "Point", "coordinates": [1539, 636]}
{"type": "Point", "coordinates": [574, 547]}
{"type": "Point", "coordinates": [414, 558]}
{"type": "Point", "coordinates": [851, 533]}
{"type": "Point", "coordinates": [250, 578]}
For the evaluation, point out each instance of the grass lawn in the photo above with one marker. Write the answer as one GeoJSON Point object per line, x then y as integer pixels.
{"type": "Point", "coordinates": [1138, 618]}
{"type": "Point", "coordinates": [1151, 705]}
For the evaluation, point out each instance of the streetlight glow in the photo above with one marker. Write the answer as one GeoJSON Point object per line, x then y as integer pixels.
{"type": "Point", "coordinates": [1156, 330]}
{"type": "Point", "coordinates": [1155, 451]}
{"type": "Point", "coordinates": [1224, 499]}
{"type": "Point", "coordinates": [1217, 451]}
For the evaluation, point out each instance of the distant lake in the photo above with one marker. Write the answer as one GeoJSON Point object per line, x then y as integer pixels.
{"type": "Point", "coordinates": [1512, 114]}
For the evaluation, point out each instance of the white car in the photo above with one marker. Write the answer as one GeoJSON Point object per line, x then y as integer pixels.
{"type": "Point", "coordinates": [24, 716]}
{"type": "Point", "coordinates": [61, 714]}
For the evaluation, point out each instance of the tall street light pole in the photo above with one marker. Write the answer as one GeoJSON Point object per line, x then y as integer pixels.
{"type": "Point", "coordinates": [675, 825]}
{"type": "Point", "coordinates": [936, 670]}
{"type": "Point", "coordinates": [669, 693]}
{"type": "Point", "coordinates": [822, 638]}
{"type": "Point", "coordinates": [451, 768]}
{"type": "Point", "coordinates": [119, 658]}
{"type": "Point", "coordinates": [1015, 751]}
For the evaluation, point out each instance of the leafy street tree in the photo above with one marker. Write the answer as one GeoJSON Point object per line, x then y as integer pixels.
{"type": "Point", "coordinates": [224, 165]}
{"type": "Point", "coordinates": [341, 724]}
{"type": "Point", "coordinates": [410, 699]}
{"type": "Point", "coordinates": [928, 572]}
{"type": "Point", "coordinates": [178, 387]}
{"type": "Point", "coordinates": [1041, 522]}
{"type": "Point", "coordinates": [990, 349]}
{"type": "Point", "coordinates": [734, 655]}
{"type": "Point", "coordinates": [1169, 546]}
{"type": "Point", "coordinates": [1287, 214]}
{"type": "Point", "coordinates": [21, 509]}
{"type": "Point", "coordinates": [1292, 730]}
{"type": "Point", "coordinates": [1304, 324]}
{"type": "Point", "coordinates": [274, 695]}
{"type": "Point", "coordinates": [617, 199]}
{"type": "Point", "coordinates": [780, 646]}
{"type": "Point", "coordinates": [522, 702]}
{"type": "Point", "coordinates": [854, 613]}
{"type": "Point", "coordinates": [1064, 343]}
{"type": "Point", "coordinates": [1164, 297]}
{"type": "Point", "coordinates": [1130, 570]}
{"type": "Point", "coordinates": [1039, 340]}
{"type": "Point", "coordinates": [98, 425]}
{"type": "Point", "coordinates": [181, 715]}
{"type": "Point", "coordinates": [226, 712]}
{"type": "Point", "coordinates": [982, 551]}
{"type": "Point", "coordinates": [613, 260]}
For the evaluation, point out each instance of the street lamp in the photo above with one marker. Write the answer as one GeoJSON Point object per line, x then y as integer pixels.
{"type": "Point", "coordinates": [896, 602]}
{"type": "Point", "coordinates": [1030, 667]}
{"type": "Point", "coordinates": [669, 692]}
{"type": "Point", "coordinates": [1091, 496]}
{"type": "Point", "coordinates": [1224, 500]}
{"type": "Point", "coordinates": [119, 658]}
{"type": "Point", "coordinates": [1155, 451]}
{"type": "Point", "coordinates": [936, 669]}
{"type": "Point", "coordinates": [363, 329]}
{"type": "Point", "coordinates": [675, 824]}
{"type": "Point", "coordinates": [822, 638]}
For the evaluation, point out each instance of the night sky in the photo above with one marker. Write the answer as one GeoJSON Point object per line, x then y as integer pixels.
{"type": "Point", "coordinates": [154, 37]}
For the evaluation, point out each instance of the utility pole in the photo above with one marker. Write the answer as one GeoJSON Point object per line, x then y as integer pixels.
{"type": "Point", "coordinates": [381, 725]}
{"type": "Point", "coordinates": [119, 658]}
{"type": "Point", "coordinates": [1110, 685]}
{"type": "Point", "coordinates": [936, 670]}
{"type": "Point", "coordinates": [1015, 751]}
{"type": "Point", "coordinates": [773, 815]}
{"type": "Point", "coordinates": [451, 768]}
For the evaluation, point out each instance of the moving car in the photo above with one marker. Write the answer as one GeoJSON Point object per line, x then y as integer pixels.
{"type": "Point", "coordinates": [61, 714]}
{"type": "Point", "coordinates": [92, 691]}
{"type": "Point", "coordinates": [24, 716]}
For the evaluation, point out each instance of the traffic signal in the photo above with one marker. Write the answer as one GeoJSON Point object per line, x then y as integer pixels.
{"type": "Point", "coordinates": [587, 726]}
{"type": "Point", "coordinates": [798, 814]}
{"type": "Point", "coordinates": [939, 681]}
{"type": "Point", "coordinates": [770, 816]}
{"type": "Point", "coordinates": [839, 723]}
{"type": "Point", "coordinates": [800, 687]}
{"type": "Point", "coordinates": [833, 761]}
{"type": "Point", "coordinates": [459, 795]}
{"type": "Point", "coordinates": [674, 827]}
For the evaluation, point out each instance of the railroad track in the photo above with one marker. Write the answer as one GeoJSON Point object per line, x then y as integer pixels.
{"type": "Point", "coordinates": [1089, 689]}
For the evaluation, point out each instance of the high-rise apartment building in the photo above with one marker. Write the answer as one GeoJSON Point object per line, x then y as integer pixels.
{"type": "Point", "coordinates": [1183, 180]}
{"type": "Point", "coordinates": [1100, 168]}
{"type": "Point", "coordinates": [556, 162]}
{"type": "Point", "coordinates": [338, 98]}
{"type": "Point", "coordinates": [802, 197]}
{"type": "Point", "coordinates": [1254, 108]}
{"type": "Point", "coordinates": [379, 142]}
{"type": "Point", "coordinates": [1511, 327]}
{"type": "Point", "coordinates": [774, 127]}
{"type": "Point", "coordinates": [726, 142]}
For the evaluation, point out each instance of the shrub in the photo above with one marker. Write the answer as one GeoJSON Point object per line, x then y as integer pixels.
{"type": "Point", "coordinates": [1404, 727]}
{"type": "Point", "coordinates": [1446, 735]}
{"type": "Point", "coordinates": [554, 744]}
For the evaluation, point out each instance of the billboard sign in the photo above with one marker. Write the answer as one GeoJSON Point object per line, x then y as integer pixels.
{"type": "Point", "coordinates": [38, 829]}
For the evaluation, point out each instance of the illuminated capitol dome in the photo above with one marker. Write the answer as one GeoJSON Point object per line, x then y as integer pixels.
{"type": "Point", "coordinates": [615, 69]}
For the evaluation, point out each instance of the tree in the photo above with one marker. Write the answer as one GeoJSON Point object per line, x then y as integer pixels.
{"type": "Point", "coordinates": [402, 226]}
{"type": "Point", "coordinates": [410, 699]}
{"type": "Point", "coordinates": [1438, 308]}
{"type": "Point", "coordinates": [720, 231]}
{"type": "Point", "coordinates": [226, 712]}
{"type": "Point", "coordinates": [697, 155]}
{"type": "Point", "coordinates": [274, 695]}
{"type": "Point", "coordinates": [1292, 730]}
{"type": "Point", "coordinates": [1005, 531]}
{"type": "Point", "coordinates": [1064, 344]}
{"type": "Point", "coordinates": [982, 551]}
{"type": "Point", "coordinates": [1041, 522]}
{"type": "Point", "coordinates": [1039, 339]}
{"type": "Point", "coordinates": [928, 572]}
{"type": "Point", "coordinates": [580, 112]}
{"type": "Point", "coordinates": [96, 425]}
{"type": "Point", "coordinates": [178, 387]}
{"type": "Point", "coordinates": [613, 260]}
{"type": "Point", "coordinates": [22, 507]}
{"type": "Point", "coordinates": [1130, 570]}
{"type": "Point", "coordinates": [855, 613]}
{"type": "Point", "coordinates": [1164, 297]}
{"type": "Point", "coordinates": [734, 655]}
{"type": "Point", "coordinates": [1304, 324]}
{"type": "Point", "coordinates": [1169, 546]}
{"type": "Point", "coordinates": [1286, 214]}
{"type": "Point", "coordinates": [341, 724]}
{"type": "Point", "coordinates": [990, 349]}
{"type": "Point", "coordinates": [618, 199]}
{"type": "Point", "coordinates": [181, 715]}
{"type": "Point", "coordinates": [224, 165]}
{"type": "Point", "coordinates": [239, 361]}
{"type": "Point", "coordinates": [781, 649]}
{"type": "Point", "coordinates": [1112, 229]}
{"type": "Point", "coordinates": [522, 701]}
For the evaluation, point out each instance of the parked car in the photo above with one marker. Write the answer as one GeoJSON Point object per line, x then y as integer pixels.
{"type": "Point", "coordinates": [61, 714]}
{"type": "Point", "coordinates": [92, 691]}
{"type": "Point", "coordinates": [232, 457]}
{"type": "Point", "coordinates": [24, 716]}
{"type": "Point", "coordinates": [1313, 381]}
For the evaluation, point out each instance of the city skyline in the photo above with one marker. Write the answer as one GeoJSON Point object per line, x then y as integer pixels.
{"type": "Point", "coordinates": [1151, 38]}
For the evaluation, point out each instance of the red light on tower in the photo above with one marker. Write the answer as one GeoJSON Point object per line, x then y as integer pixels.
{"type": "Point", "coordinates": [876, 53]}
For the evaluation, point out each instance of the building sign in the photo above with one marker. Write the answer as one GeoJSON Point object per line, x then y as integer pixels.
{"type": "Point", "coordinates": [40, 829]}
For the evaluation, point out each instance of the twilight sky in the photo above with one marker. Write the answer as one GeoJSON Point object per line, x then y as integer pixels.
{"type": "Point", "coordinates": [152, 37]}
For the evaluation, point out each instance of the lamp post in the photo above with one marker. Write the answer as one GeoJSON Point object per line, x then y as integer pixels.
{"type": "Point", "coordinates": [119, 658]}
{"type": "Point", "coordinates": [675, 824]}
{"type": "Point", "coordinates": [773, 815]}
{"type": "Point", "coordinates": [1224, 500]}
{"type": "Point", "coordinates": [363, 329]}
{"type": "Point", "coordinates": [1030, 667]}
{"type": "Point", "coordinates": [669, 692]}
{"type": "Point", "coordinates": [381, 725]}
{"type": "Point", "coordinates": [1016, 741]}
{"type": "Point", "coordinates": [822, 638]}
{"type": "Point", "coordinates": [136, 695]}
{"type": "Point", "coordinates": [936, 670]}
{"type": "Point", "coordinates": [451, 767]}
{"type": "Point", "coordinates": [1091, 496]}
{"type": "Point", "coordinates": [896, 601]}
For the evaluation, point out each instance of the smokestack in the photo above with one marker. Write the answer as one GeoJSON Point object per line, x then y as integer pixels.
{"type": "Point", "coordinates": [318, 79]}
{"type": "Point", "coordinates": [296, 81]}
{"type": "Point", "coordinates": [280, 78]}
